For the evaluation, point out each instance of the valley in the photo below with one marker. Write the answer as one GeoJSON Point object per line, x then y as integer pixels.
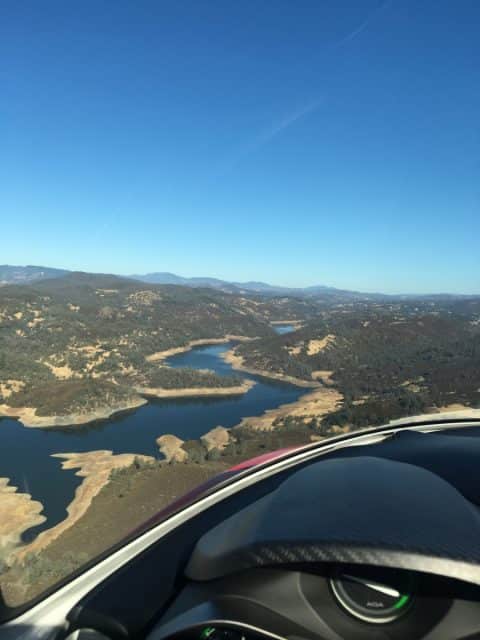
{"type": "Point", "coordinates": [117, 396]}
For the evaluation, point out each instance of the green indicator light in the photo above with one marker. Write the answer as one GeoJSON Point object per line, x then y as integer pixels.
{"type": "Point", "coordinates": [402, 602]}
{"type": "Point", "coordinates": [207, 632]}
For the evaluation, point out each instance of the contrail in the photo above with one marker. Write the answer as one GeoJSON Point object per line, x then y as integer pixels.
{"type": "Point", "coordinates": [284, 124]}
{"type": "Point", "coordinates": [353, 34]}
{"type": "Point", "coordinates": [312, 106]}
{"type": "Point", "coordinates": [272, 132]}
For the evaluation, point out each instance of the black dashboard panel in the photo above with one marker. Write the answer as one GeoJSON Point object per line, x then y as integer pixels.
{"type": "Point", "coordinates": [451, 454]}
{"type": "Point", "coordinates": [364, 510]}
{"type": "Point", "coordinates": [298, 603]}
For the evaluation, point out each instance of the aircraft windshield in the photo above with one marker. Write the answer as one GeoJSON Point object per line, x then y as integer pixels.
{"type": "Point", "coordinates": [227, 228]}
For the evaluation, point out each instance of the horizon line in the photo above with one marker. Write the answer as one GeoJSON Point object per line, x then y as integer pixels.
{"type": "Point", "coordinates": [239, 282]}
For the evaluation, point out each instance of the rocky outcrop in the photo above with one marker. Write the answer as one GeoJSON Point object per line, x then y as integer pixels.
{"type": "Point", "coordinates": [315, 346]}
{"type": "Point", "coordinates": [171, 447]}
{"type": "Point", "coordinates": [217, 438]}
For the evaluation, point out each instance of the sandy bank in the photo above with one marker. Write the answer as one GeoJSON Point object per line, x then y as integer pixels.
{"type": "Point", "coordinates": [172, 448]}
{"type": "Point", "coordinates": [237, 362]}
{"type": "Point", "coordinates": [217, 438]}
{"type": "Point", "coordinates": [95, 467]}
{"type": "Point", "coordinates": [202, 342]}
{"type": "Point", "coordinates": [18, 512]}
{"type": "Point", "coordinates": [314, 404]}
{"type": "Point", "coordinates": [196, 391]}
{"type": "Point", "coordinates": [29, 418]}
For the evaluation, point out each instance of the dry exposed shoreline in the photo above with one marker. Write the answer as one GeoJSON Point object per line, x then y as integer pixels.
{"type": "Point", "coordinates": [201, 342]}
{"type": "Point", "coordinates": [95, 468]}
{"type": "Point", "coordinates": [236, 362]}
{"type": "Point", "coordinates": [28, 417]}
{"type": "Point", "coordinates": [316, 403]}
{"type": "Point", "coordinates": [194, 392]}
{"type": "Point", "coordinates": [19, 513]}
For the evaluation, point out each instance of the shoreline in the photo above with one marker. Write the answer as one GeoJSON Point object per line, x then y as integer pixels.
{"type": "Point", "coordinates": [315, 403]}
{"type": "Point", "coordinates": [236, 362]}
{"type": "Point", "coordinates": [196, 392]}
{"type": "Point", "coordinates": [94, 467]}
{"type": "Point", "coordinates": [20, 512]}
{"type": "Point", "coordinates": [158, 356]}
{"type": "Point", "coordinates": [29, 419]}
{"type": "Point", "coordinates": [27, 415]}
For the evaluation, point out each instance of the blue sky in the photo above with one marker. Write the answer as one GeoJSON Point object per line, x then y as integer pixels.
{"type": "Point", "coordinates": [296, 142]}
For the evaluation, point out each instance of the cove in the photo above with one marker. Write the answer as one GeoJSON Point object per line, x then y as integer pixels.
{"type": "Point", "coordinates": [25, 453]}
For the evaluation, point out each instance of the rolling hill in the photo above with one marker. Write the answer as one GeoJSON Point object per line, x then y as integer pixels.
{"type": "Point", "coordinates": [28, 274]}
{"type": "Point", "coordinates": [83, 343]}
{"type": "Point", "coordinates": [387, 361]}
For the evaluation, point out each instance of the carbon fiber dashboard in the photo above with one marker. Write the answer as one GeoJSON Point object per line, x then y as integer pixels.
{"type": "Point", "coordinates": [360, 507]}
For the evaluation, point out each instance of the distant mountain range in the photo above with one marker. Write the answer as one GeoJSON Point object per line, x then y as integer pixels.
{"type": "Point", "coordinates": [29, 274]}
{"type": "Point", "coordinates": [263, 288]}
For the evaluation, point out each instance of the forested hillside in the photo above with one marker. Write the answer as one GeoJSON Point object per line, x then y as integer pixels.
{"type": "Point", "coordinates": [80, 341]}
{"type": "Point", "coordinates": [387, 361]}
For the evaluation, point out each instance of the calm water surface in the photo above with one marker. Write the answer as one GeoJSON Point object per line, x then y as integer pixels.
{"type": "Point", "coordinates": [25, 453]}
{"type": "Point", "coordinates": [284, 328]}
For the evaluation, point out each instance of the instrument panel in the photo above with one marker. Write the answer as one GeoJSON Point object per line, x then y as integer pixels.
{"type": "Point", "coordinates": [372, 597]}
{"type": "Point", "coordinates": [339, 602]}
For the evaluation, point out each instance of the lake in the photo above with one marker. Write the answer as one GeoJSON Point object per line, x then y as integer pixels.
{"type": "Point", "coordinates": [25, 453]}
